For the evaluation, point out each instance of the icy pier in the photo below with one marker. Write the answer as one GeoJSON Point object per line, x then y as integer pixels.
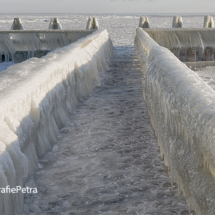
{"type": "Point", "coordinates": [108, 160]}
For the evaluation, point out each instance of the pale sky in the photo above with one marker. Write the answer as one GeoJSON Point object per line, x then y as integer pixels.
{"type": "Point", "coordinates": [107, 6]}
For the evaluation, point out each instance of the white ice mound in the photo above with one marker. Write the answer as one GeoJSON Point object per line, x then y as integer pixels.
{"type": "Point", "coordinates": [177, 22]}
{"type": "Point", "coordinates": [144, 22]}
{"type": "Point", "coordinates": [92, 23]}
{"type": "Point", "coordinates": [36, 99]}
{"type": "Point", "coordinates": [17, 24]}
{"type": "Point", "coordinates": [208, 22]}
{"type": "Point", "coordinates": [55, 24]}
{"type": "Point", "coordinates": [182, 112]}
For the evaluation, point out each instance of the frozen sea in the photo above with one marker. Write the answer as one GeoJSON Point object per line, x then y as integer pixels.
{"type": "Point", "coordinates": [107, 159]}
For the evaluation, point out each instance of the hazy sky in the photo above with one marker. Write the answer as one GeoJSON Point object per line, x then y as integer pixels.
{"type": "Point", "coordinates": [107, 6]}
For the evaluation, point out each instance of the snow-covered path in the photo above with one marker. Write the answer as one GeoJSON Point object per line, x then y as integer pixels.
{"type": "Point", "coordinates": [107, 161]}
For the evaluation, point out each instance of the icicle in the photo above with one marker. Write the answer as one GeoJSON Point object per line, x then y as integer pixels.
{"type": "Point", "coordinates": [54, 24]}
{"type": "Point", "coordinates": [17, 24]}
{"type": "Point", "coordinates": [6, 47]}
{"type": "Point", "coordinates": [177, 22]}
{"type": "Point", "coordinates": [208, 22]}
{"type": "Point", "coordinates": [25, 45]}
{"type": "Point", "coordinates": [51, 41]}
{"type": "Point", "coordinates": [144, 22]}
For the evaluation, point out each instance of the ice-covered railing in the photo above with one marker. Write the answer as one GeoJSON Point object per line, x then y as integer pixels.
{"type": "Point", "coordinates": [36, 42]}
{"type": "Point", "coordinates": [182, 112]}
{"type": "Point", "coordinates": [187, 44]}
{"type": "Point", "coordinates": [36, 99]}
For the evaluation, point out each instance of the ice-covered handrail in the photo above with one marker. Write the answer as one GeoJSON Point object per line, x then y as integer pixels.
{"type": "Point", "coordinates": [32, 40]}
{"type": "Point", "coordinates": [17, 24]}
{"type": "Point", "coordinates": [183, 39]}
{"type": "Point", "coordinates": [208, 22]}
{"type": "Point", "coordinates": [181, 107]}
{"type": "Point", "coordinates": [92, 23]}
{"type": "Point", "coordinates": [55, 24]}
{"type": "Point", "coordinates": [177, 22]}
{"type": "Point", "coordinates": [36, 99]}
{"type": "Point", "coordinates": [144, 22]}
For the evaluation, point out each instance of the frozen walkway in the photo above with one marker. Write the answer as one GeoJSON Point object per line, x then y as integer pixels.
{"type": "Point", "coordinates": [107, 161]}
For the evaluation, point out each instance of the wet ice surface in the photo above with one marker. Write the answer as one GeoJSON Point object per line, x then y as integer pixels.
{"type": "Point", "coordinates": [208, 75]}
{"type": "Point", "coordinates": [5, 65]}
{"type": "Point", "coordinates": [107, 161]}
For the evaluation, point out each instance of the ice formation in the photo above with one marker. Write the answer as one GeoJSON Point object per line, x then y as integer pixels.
{"type": "Point", "coordinates": [36, 98]}
{"type": "Point", "coordinates": [21, 45]}
{"type": "Point", "coordinates": [208, 22]}
{"type": "Point", "coordinates": [92, 23]}
{"type": "Point", "coordinates": [177, 22]}
{"type": "Point", "coordinates": [17, 24]}
{"type": "Point", "coordinates": [144, 22]}
{"type": "Point", "coordinates": [181, 107]}
{"type": "Point", "coordinates": [54, 24]}
{"type": "Point", "coordinates": [184, 39]}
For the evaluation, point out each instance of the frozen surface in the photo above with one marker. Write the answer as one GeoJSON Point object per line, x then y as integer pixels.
{"type": "Point", "coordinates": [208, 75]}
{"type": "Point", "coordinates": [108, 159]}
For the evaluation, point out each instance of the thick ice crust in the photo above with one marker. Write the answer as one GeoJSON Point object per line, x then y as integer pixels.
{"type": "Point", "coordinates": [92, 23]}
{"type": "Point", "coordinates": [17, 24]}
{"type": "Point", "coordinates": [55, 24]}
{"type": "Point", "coordinates": [177, 22]}
{"type": "Point", "coordinates": [144, 22]}
{"type": "Point", "coordinates": [181, 107]}
{"type": "Point", "coordinates": [30, 42]}
{"type": "Point", "coordinates": [208, 22]}
{"type": "Point", "coordinates": [36, 99]}
{"type": "Point", "coordinates": [181, 40]}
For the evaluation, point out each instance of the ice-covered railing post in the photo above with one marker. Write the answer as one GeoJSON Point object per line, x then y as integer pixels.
{"type": "Point", "coordinates": [177, 22]}
{"type": "Point", "coordinates": [144, 22]}
{"type": "Point", "coordinates": [17, 24]}
{"type": "Point", "coordinates": [6, 45]}
{"type": "Point", "coordinates": [55, 24]}
{"type": "Point", "coordinates": [92, 23]}
{"type": "Point", "coordinates": [208, 22]}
